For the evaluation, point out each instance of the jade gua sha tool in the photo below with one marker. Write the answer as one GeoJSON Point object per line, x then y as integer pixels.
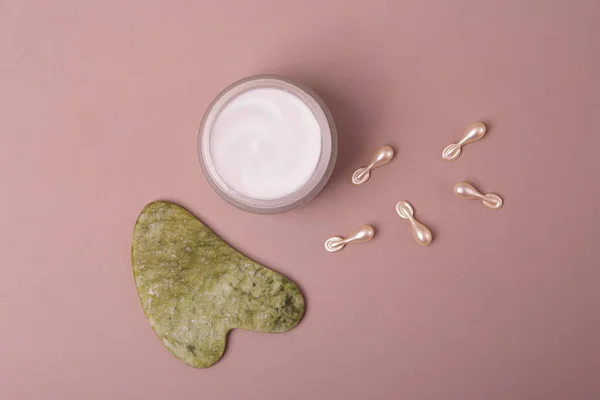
{"type": "Point", "coordinates": [194, 288]}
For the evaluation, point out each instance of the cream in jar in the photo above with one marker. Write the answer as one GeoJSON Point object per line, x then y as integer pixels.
{"type": "Point", "coordinates": [265, 143]}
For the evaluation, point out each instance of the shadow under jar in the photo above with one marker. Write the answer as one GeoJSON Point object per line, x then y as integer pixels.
{"type": "Point", "coordinates": [267, 145]}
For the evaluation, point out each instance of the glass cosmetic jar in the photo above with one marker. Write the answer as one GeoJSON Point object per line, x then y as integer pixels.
{"type": "Point", "coordinates": [267, 144]}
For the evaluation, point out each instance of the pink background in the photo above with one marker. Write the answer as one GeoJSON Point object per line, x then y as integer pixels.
{"type": "Point", "coordinates": [100, 103]}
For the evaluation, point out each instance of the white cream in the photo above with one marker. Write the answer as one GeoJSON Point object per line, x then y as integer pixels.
{"type": "Point", "coordinates": [265, 143]}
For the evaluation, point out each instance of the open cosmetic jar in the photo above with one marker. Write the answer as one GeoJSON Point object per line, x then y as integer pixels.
{"type": "Point", "coordinates": [267, 145]}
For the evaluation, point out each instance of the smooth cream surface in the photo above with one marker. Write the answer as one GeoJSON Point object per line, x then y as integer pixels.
{"type": "Point", "coordinates": [265, 143]}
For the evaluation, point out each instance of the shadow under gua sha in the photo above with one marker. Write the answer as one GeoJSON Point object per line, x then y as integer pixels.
{"type": "Point", "coordinates": [194, 287]}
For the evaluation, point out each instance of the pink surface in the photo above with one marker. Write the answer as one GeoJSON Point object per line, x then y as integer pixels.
{"type": "Point", "coordinates": [100, 104]}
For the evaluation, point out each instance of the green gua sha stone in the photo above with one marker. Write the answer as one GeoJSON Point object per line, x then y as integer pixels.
{"type": "Point", "coordinates": [194, 288]}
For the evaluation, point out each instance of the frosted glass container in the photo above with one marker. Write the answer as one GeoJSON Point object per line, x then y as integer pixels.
{"type": "Point", "coordinates": [267, 144]}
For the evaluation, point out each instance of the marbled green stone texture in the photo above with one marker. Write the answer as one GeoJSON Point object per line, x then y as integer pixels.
{"type": "Point", "coordinates": [194, 288]}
